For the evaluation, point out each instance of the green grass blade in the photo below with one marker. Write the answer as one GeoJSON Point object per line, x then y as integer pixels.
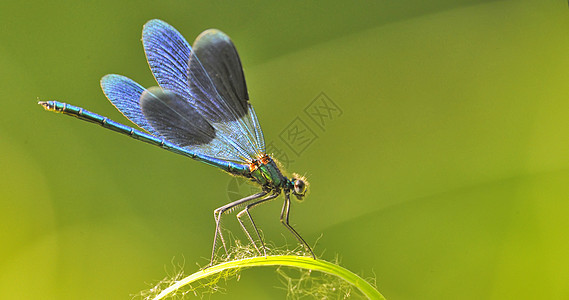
{"type": "Point", "coordinates": [278, 260]}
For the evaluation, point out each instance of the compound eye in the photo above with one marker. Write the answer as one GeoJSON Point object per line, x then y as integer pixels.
{"type": "Point", "coordinates": [299, 187]}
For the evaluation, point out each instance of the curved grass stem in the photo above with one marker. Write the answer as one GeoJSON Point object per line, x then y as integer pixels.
{"type": "Point", "coordinates": [278, 260]}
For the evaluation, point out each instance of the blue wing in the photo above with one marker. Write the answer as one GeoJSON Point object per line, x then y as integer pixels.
{"type": "Point", "coordinates": [202, 104]}
{"type": "Point", "coordinates": [166, 115]}
{"type": "Point", "coordinates": [210, 79]}
{"type": "Point", "coordinates": [216, 77]}
{"type": "Point", "coordinates": [168, 55]}
{"type": "Point", "coordinates": [125, 94]}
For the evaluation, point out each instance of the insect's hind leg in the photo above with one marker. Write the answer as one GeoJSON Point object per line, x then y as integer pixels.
{"type": "Point", "coordinates": [217, 217]}
{"type": "Point", "coordinates": [246, 211]}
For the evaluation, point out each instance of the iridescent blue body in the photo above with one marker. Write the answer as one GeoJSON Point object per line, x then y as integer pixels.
{"type": "Point", "coordinates": [200, 110]}
{"type": "Point", "coordinates": [263, 171]}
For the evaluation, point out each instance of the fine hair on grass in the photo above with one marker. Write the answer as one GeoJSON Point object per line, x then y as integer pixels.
{"type": "Point", "coordinates": [302, 276]}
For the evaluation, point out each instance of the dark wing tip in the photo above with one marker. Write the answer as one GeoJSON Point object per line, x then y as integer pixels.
{"type": "Point", "coordinates": [215, 48]}
{"type": "Point", "coordinates": [174, 118]}
{"type": "Point", "coordinates": [212, 33]}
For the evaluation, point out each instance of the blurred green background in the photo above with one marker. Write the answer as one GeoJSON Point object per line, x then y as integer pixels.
{"type": "Point", "coordinates": [445, 177]}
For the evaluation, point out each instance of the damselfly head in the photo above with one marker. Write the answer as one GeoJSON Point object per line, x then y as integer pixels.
{"type": "Point", "coordinates": [300, 187]}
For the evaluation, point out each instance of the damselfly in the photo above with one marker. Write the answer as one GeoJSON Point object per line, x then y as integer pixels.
{"type": "Point", "coordinates": [200, 110]}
